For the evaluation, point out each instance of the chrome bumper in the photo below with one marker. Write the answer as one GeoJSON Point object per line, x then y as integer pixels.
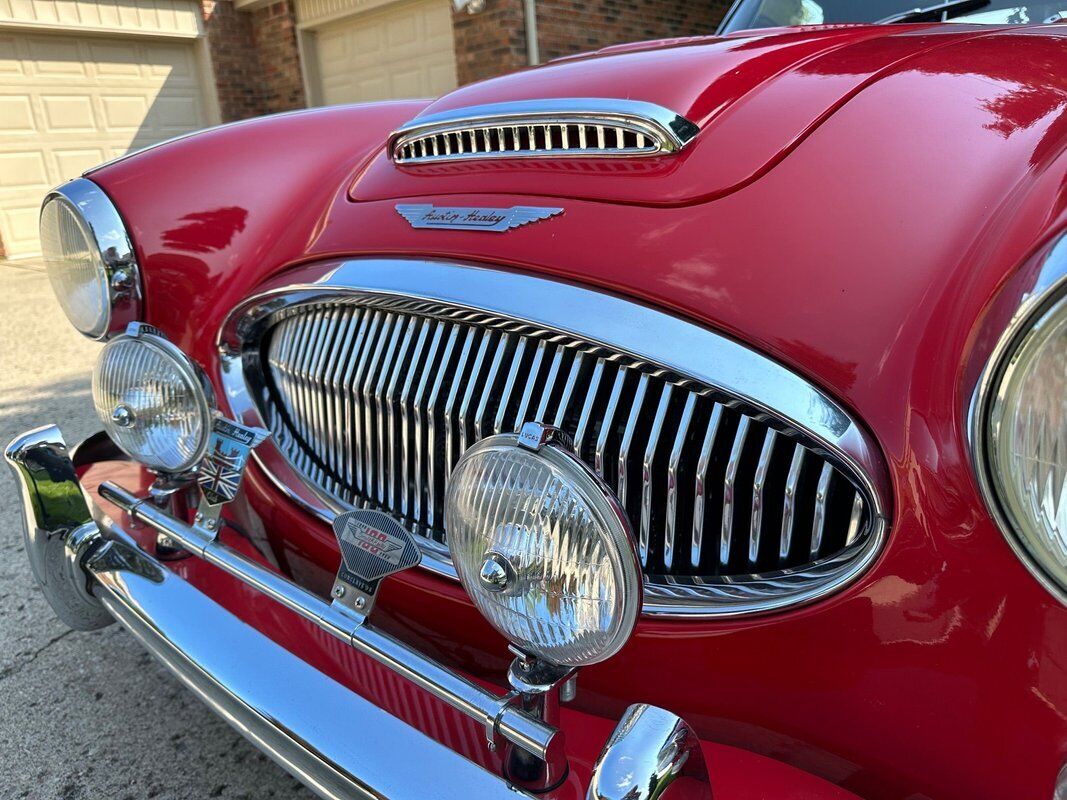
{"type": "Point", "coordinates": [307, 722]}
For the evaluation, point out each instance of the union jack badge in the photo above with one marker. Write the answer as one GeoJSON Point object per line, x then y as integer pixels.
{"type": "Point", "coordinates": [227, 455]}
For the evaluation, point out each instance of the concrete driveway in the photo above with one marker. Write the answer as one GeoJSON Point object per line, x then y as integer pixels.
{"type": "Point", "coordinates": [89, 715]}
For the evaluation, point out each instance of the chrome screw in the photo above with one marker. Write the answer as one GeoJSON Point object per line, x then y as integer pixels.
{"type": "Point", "coordinates": [199, 517]}
{"type": "Point", "coordinates": [123, 416]}
{"type": "Point", "coordinates": [211, 524]}
{"type": "Point", "coordinates": [360, 602]}
{"type": "Point", "coordinates": [338, 591]}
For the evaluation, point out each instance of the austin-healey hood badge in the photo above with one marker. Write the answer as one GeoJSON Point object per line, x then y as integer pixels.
{"type": "Point", "coordinates": [373, 546]}
{"type": "Point", "coordinates": [465, 218]}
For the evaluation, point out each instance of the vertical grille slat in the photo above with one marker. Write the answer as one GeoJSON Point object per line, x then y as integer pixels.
{"type": "Point", "coordinates": [636, 410]}
{"type": "Point", "coordinates": [785, 542]}
{"type": "Point", "coordinates": [729, 506]}
{"type": "Point", "coordinates": [822, 494]}
{"type": "Point", "coordinates": [647, 479]}
{"type": "Point", "coordinates": [376, 402]}
{"type": "Point", "coordinates": [673, 476]}
{"type": "Point", "coordinates": [433, 465]}
{"type": "Point", "coordinates": [586, 418]}
{"type": "Point", "coordinates": [762, 474]}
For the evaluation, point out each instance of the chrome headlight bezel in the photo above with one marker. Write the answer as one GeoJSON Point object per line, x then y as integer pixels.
{"type": "Point", "coordinates": [1038, 308]}
{"type": "Point", "coordinates": [100, 220]}
{"type": "Point", "coordinates": [193, 377]}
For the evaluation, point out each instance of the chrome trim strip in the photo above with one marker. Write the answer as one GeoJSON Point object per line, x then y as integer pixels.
{"type": "Point", "coordinates": [1049, 287]}
{"type": "Point", "coordinates": [639, 331]}
{"type": "Point", "coordinates": [105, 227]}
{"type": "Point", "coordinates": [665, 130]}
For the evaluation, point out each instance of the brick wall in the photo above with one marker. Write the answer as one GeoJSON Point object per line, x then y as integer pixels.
{"type": "Point", "coordinates": [566, 27]}
{"type": "Point", "coordinates": [274, 32]}
{"type": "Point", "coordinates": [233, 55]}
{"type": "Point", "coordinates": [254, 54]}
{"type": "Point", "coordinates": [490, 42]}
{"type": "Point", "coordinates": [257, 64]}
{"type": "Point", "coordinates": [493, 41]}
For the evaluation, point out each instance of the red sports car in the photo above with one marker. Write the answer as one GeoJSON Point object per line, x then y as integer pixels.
{"type": "Point", "coordinates": [679, 420]}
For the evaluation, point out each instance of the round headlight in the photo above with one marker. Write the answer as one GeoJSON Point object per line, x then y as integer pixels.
{"type": "Point", "coordinates": [89, 259]}
{"type": "Point", "coordinates": [152, 400]}
{"type": "Point", "coordinates": [543, 549]}
{"type": "Point", "coordinates": [1027, 442]}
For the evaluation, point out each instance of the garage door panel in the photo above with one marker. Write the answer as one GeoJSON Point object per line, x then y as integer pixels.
{"type": "Point", "coordinates": [19, 224]}
{"type": "Point", "coordinates": [10, 64]}
{"type": "Point", "coordinates": [23, 170]}
{"type": "Point", "coordinates": [116, 60]}
{"type": "Point", "coordinates": [68, 103]}
{"type": "Point", "coordinates": [405, 50]}
{"type": "Point", "coordinates": [68, 113]}
{"type": "Point", "coordinates": [172, 115]}
{"type": "Point", "coordinates": [70, 163]}
{"type": "Point", "coordinates": [124, 113]}
{"type": "Point", "coordinates": [55, 57]}
{"type": "Point", "coordinates": [16, 111]}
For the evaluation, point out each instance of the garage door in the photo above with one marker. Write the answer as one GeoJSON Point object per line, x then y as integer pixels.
{"type": "Point", "coordinates": [405, 50]}
{"type": "Point", "coordinates": [67, 103]}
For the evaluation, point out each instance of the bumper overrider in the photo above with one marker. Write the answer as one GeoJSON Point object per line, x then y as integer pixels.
{"type": "Point", "coordinates": [92, 573]}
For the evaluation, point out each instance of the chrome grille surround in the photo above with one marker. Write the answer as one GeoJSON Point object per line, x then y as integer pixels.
{"type": "Point", "coordinates": [749, 423]}
{"type": "Point", "coordinates": [562, 128]}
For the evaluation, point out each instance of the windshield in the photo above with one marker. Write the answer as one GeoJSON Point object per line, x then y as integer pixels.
{"type": "Point", "coordinates": [748, 14]}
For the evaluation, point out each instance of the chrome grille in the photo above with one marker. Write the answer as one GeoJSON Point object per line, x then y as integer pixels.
{"type": "Point", "coordinates": [594, 127]}
{"type": "Point", "coordinates": [374, 400]}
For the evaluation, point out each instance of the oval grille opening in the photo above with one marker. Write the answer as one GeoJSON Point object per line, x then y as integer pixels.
{"type": "Point", "coordinates": [374, 399]}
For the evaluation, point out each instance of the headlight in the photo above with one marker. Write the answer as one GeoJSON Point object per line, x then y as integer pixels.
{"type": "Point", "coordinates": [89, 259]}
{"type": "Point", "coordinates": [1022, 431]}
{"type": "Point", "coordinates": [543, 549]}
{"type": "Point", "coordinates": [152, 400]}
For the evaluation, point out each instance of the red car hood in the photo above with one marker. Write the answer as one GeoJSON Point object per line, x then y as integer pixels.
{"type": "Point", "coordinates": [754, 97]}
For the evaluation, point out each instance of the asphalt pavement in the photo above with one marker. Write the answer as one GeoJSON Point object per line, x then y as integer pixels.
{"type": "Point", "coordinates": [85, 716]}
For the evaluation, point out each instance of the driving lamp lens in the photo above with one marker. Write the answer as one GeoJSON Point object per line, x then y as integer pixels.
{"type": "Point", "coordinates": [152, 403]}
{"type": "Point", "coordinates": [75, 268]}
{"type": "Point", "coordinates": [543, 550]}
{"type": "Point", "coordinates": [1028, 442]}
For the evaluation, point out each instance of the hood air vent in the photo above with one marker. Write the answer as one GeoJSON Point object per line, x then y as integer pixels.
{"type": "Point", "coordinates": [567, 128]}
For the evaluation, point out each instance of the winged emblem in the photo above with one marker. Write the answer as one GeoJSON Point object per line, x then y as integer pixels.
{"type": "Point", "coordinates": [465, 218]}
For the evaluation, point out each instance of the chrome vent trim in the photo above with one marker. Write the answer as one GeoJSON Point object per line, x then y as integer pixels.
{"type": "Point", "coordinates": [562, 128]}
{"type": "Point", "coordinates": [359, 396]}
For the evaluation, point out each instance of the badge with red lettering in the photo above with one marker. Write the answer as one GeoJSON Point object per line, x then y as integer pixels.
{"type": "Point", "coordinates": [373, 546]}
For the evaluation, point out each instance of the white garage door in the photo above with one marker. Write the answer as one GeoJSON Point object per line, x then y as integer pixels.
{"type": "Point", "coordinates": [404, 50]}
{"type": "Point", "coordinates": [68, 103]}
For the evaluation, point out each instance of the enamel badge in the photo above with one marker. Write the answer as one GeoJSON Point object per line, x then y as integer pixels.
{"type": "Point", "coordinates": [227, 456]}
{"type": "Point", "coordinates": [373, 546]}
